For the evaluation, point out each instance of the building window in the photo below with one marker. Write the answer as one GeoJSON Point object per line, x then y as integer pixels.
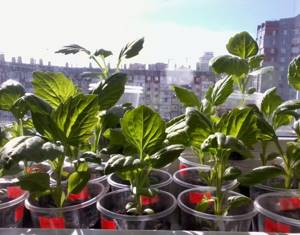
{"type": "Point", "coordinates": [272, 50]}
{"type": "Point", "coordinates": [285, 32]}
{"type": "Point", "coordinates": [283, 50]}
{"type": "Point", "coordinates": [274, 33]}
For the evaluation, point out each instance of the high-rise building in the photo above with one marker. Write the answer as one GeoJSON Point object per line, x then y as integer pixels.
{"type": "Point", "coordinates": [279, 41]}
{"type": "Point", "coordinates": [203, 64]}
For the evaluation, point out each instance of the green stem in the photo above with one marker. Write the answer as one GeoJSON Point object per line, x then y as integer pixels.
{"type": "Point", "coordinates": [219, 181]}
{"type": "Point", "coordinates": [263, 154]}
{"type": "Point", "coordinates": [287, 167]}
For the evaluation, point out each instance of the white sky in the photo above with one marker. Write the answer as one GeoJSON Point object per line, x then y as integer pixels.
{"type": "Point", "coordinates": [37, 28]}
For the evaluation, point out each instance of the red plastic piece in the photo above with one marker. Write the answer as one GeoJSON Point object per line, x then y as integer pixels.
{"type": "Point", "coordinates": [14, 192]}
{"type": "Point", "coordinates": [149, 200]}
{"type": "Point", "coordinates": [182, 166]}
{"type": "Point", "coordinates": [197, 197]}
{"type": "Point", "coordinates": [273, 226]}
{"type": "Point", "coordinates": [83, 195]}
{"type": "Point", "coordinates": [54, 222]}
{"type": "Point", "coordinates": [19, 213]}
{"type": "Point", "coordinates": [108, 224]}
{"type": "Point", "coordinates": [287, 204]}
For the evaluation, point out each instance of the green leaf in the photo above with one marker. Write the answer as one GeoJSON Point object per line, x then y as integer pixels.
{"type": "Point", "coordinates": [187, 97]}
{"type": "Point", "coordinates": [260, 174]}
{"type": "Point", "coordinates": [54, 88]}
{"type": "Point", "coordinates": [231, 173]}
{"type": "Point", "coordinates": [255, 62]}
{"type": "Point", "coordinates": [198, 127]}
{"type": "Point", "coordinates": [29, 148]}
{"type": "Point", "coordinates": [58, 196]}
{"type": "Point", "coordinates": [110, 90]}
{"type": "Point", "coordinates": [76, 118]}
{"type": "Point", "coordinates": [121, 163]}
{"type": "Point", "coordinates": [229, 65]}
{"type": "Point", "coordinates": [35, 182]}
{"type": "Point", "coordinates": [77, 180]}
{"type": "Point", "coordinates": [237, 201]}
{"type": "Point", "coordinates": [144, 129]}
{"type": "Point", "coordinates": [176, 131]}
{"type": "Point", "coordinates": [204, 205]}
{"type": "Point", "coordinates": [270, 101]}
{"type": "Point", "coordinates": [293, 151]}
{"type": "Point", "coordinates": [132, 49]}
{"type": "Point", "coordinates": [10, 92]}
{"type": "Point", "coordinates": [241, 124]}
{"type": "Point", "coordinates": [73, 49]}
{"type": "Point", "coordinates": [242, 45]}
{"type": "Point", "coordinates": [103, 53]}
{"type": "Point", "coordinates": [221, 90]}
{"type": "Point", "coordinates": [294, 73]}
{"type": "Point", "coordinates": [217, 141]}
{"type": "Point", "coordinates": [272, 156]}
{"type": "Point", "coordinates": [287, 106]}
{"type": "Point", "coordinates": [166, 155]}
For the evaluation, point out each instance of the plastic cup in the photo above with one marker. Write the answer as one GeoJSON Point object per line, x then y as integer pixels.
{"type": "Point", "coordinates": [111, 206]}
{"type": "Point", "coordinates": [12, 206]}
{"type": "Point", "coordinates": [240, 219]}
{"type": "Point", "coordinates": [278, 212]}
{"type": "Point", "coordinates": [190, 178]}
{"type": "Point", "coordinates": [163, 181]}
{"type": "Point", "coordinates": [81, 215]}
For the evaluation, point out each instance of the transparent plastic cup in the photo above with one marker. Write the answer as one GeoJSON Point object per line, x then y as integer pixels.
{"type": "Point", "coordinates": [190, 178]}
{"type": "Point", "coordinates": [162, 180]}
{"type": "Point", "coordinates": [239, 220]}
{"type": "Point", "coordinates": [278, 212]}
{"type": "Point", "coordinates": [268, 187]}
{"type": "Point", "coordinates": [188, 159]}
{"type": "Point", "coordinates": [81, 215]}
{"type": "Point", "coordinates": [12, 205]}
{"type": "Point", "coordinates": [111, 206]}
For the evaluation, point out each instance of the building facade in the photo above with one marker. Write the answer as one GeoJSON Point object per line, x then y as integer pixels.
{"type": "Point", "coordinates": [279, 41]}
{"type": "Point", "coordinates": [155, 80]}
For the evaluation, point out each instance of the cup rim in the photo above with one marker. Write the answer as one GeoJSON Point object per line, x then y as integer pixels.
{"type": "Point", "coordinates": [159, 185]}
{"type": "Point", "coordinates": [177, 180]}
{"type": "Point", "coordinates": [273, 215]}
{"type": "Point", "coordinates": [183, 160]}
{"type": "Point", "coordinates": [115, 215]}
{"type": "Point", "coordinates": [196, 213]}
{"type": "Point", "coordinates": [84, 204]}
{"type": "Point", "coordinates": [14, 201]}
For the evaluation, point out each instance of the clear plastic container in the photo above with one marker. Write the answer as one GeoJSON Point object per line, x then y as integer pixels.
{"type": "Point", "coordinates": [188, 159]}
{"type": "Point", "coordinates": [12, 205]}
{"type": "Point", "coordinates": [190, 178]}
{"type": "Point", "coordinates": [278, 212]}
{"type": "Point", "coordinates": [162, 180]}
{"type": "Point", "coordinates": [239, 220]}
{"type": "Point", "coordinates": [112, 204]}
{"type": "Point", "coordinates": [81, 215]}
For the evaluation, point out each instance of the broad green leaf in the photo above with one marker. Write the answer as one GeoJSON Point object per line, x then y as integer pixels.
{"type": "Point", "coordinates": [166, 155]}
{"type": "Point", "coordinates": [176, 131]}
{"type": "Point", "coordinates": [282, 120]}
{"type": "Point", "coordinates": [287, 106]}
{"type": "Point", "coordinates": [35, 182]}
{"type": "Point", "coordinates": [198, 127]}
{"type": "Point", "coordinates": [110, 90]}
{"type": "Point", "coordinates": [204, 205]}
{"type": "Point", "coordinates": [121, 163]}
{"type": "Point", "coordinates": [144, 129]}
{"type": "Point", "coordinates": [10, 92]}
{"type": "Point", "coordinates": [221, 90]}
{"type": "Point", "coordinates": [270, 101]}
{"type": "Point", "coordinates": [239, 123]}
{"type": "Point", "coordinates": [255, 62]}
{"type": "Point", "coordinates": [54, 88]}
{"type": "Point", "coordinates": [76, 118]}
{"type": "Point", "coordinates": [242, 45]}
{"type": "Point", "coordinates": [218, 141]}
{"type": "Point", "coordinates": [30, 148]}
{"type": "Point", "coordinates": [260, 174]}
{"type": "Point", "coordinates": [294, 73]}
{"type": "Point", "coordinates": [237, 201]}
{"type": "Point", "coordinates": [77, 180]}
{"type": "Point", "coordinates": [293, 151]}
{"type": "Point", "coordinates": [187, 97]}
{"type": "Point", "coordinates": [115, 136]}
{"type": "Point", "coordinates": [231, 173]}
{"type": "Point", "coordinates": [73, 49]}
{"type": "Point", "coordinates": [103, 53]}
{"type": "Point", "coordinates": [229, 65]}
{"type": "Point", "coordinates": [132, 49]}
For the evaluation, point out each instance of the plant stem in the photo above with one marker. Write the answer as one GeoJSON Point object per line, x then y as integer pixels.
{"type": "Point", "coordinates": [219, 181]}
{"type": "Point", "coordinates": [263, 154]}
